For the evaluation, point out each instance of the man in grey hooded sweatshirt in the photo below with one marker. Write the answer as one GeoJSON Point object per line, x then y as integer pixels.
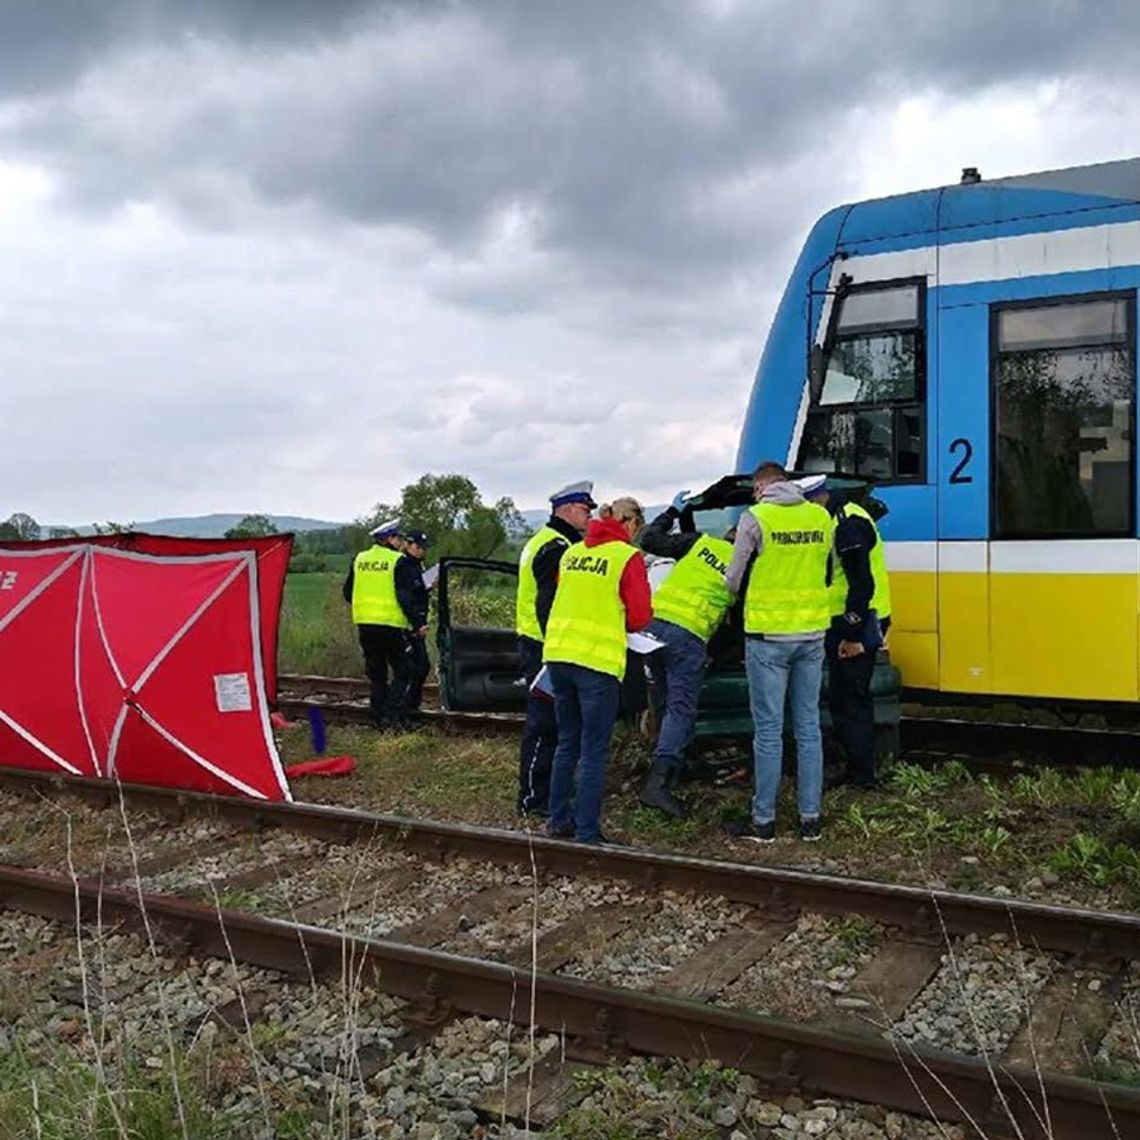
{"type": "Point", "coordinates": [779, 559]}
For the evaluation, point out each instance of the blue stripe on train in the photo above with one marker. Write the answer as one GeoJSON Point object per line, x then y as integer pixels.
{"type": "Point", "coordinates": [974, 213]}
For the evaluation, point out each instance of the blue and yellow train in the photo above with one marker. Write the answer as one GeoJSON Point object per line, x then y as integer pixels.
{"type": "Point", "coordinates": [972, 351]}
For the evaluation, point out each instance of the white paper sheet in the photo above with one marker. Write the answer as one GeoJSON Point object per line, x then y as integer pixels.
{"type": "Point", "coordinates": [232, 693]}
{"type": "Point", "coordinates": [541, 685]}
{"type": "Point", "coordinates": [643, 643]}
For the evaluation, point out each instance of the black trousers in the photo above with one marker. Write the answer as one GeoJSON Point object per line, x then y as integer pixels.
{"type": "Point", "coordinates": [408, 676]}
{"type": "Point", "coordinates": [383, 648]}
{"type": "Point", "coordinates": [539, 738]}
{"type": "Point", "coordinates": [852, 710]}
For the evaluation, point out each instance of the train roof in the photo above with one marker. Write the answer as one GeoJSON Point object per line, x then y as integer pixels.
{"type": "Point", "coordinates": [1075, 195]}
{"type": "Point", "coordinates": [1119, 179]}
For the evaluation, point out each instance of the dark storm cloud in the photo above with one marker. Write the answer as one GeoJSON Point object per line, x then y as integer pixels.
{"type": "Point", "coordinates": [647, 145]}
{"type": "Point", "coordinates": [45, 44]}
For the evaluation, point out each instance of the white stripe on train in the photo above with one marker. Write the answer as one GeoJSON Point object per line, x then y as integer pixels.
{"type": "Point", "coordinates": [1044, 253]}
{"type": "Point", "coordinates": [1047, 556]}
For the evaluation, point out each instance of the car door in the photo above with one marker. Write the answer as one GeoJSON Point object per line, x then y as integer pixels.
{"type": "Point", "coordinates": [478, 646]}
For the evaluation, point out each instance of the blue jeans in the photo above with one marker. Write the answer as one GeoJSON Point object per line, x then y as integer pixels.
{"type": "Point", "coordinates": [677, 670]}
{"type": "Point", "coordinates": [586, 705]}
{"type": "Point", "coordinates": [776, 670]}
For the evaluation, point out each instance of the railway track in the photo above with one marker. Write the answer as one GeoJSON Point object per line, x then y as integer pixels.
{"type": "Point", "coordinates": [927, 735]}
{"type": "Point", "coordinates": [623, 950]}
{"type": "Point", "coordinates": [344, 700]}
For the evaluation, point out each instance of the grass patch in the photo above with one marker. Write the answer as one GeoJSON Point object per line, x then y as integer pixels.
{"type": "Point", "coordinates": [1115, 1072]}
{"type": "Point", "coordinates": [416, 773]}
{"type": "Point", "coordinates": [655, 829]}
{"type": "Point", "coordinates": [238, 898]}
{"type": "Point", "coordinates": [1094, 861]}
{"type": "Point", "coordinates": [57, 1097]}
{"type": "Point", "coordinates": [649, 1099]}
{"type": "Point", "coordinates": [317, 634]}
{"type": "Point", "coordinates": [854, 934]}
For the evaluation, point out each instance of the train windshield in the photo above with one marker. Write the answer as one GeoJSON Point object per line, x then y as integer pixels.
{"type": "Point", "coordinates": [867, 399]}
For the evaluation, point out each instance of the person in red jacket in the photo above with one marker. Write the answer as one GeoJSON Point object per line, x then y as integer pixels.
{"type": "Point", "coordinates": [603, 592]}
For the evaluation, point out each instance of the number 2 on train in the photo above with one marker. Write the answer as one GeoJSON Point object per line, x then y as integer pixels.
{"type": "Point", "coordinates": [958, 475]}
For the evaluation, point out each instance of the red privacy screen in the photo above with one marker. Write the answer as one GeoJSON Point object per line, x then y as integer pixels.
{"type": "Point", "coordinates": [272, 551]}
{"type": "Point", "coordinates": [141, 667]}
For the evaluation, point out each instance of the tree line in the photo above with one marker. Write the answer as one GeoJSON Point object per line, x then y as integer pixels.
{"type": "Point", "coordinates": [21, 527]}
{"type": "Point", "coordinates": [448, 508]}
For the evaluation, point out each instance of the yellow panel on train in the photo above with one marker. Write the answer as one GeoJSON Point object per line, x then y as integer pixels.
{"type": "Point", "coordinates": [914, 627]}
{"type": "Point", "coordinates": [916, 655]}
{"type": "Point", "coordinates": [1070, 634]}
{"type": "Point", "coordinates": [963, 618]}
{"type": "Point", "coordinates": [914, 601]}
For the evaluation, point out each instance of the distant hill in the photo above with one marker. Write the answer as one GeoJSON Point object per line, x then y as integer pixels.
{"type": "Point", "coordinates": [215, 526]}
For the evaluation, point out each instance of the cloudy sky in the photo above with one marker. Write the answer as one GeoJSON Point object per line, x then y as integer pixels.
{"type": "Point", "coordinates": [287, 255]}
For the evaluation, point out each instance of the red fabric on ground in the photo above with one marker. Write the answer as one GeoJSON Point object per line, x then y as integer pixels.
{"type": "Point", "coordinates": [326, 766]}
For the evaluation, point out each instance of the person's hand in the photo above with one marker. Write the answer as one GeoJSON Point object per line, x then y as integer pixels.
{"type": "Point", "coordinates": [679, 500]}
{"type": "Point", "coordinates": [850, 649]}
{"type": "Point", "coordinates": [423, 631]}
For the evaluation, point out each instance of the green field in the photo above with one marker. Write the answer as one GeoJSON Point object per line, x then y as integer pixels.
{"type": "Point", "coordinates": [317, 634]}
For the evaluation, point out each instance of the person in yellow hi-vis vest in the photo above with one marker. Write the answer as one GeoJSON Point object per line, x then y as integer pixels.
{"type": "Point", "coordinates": [570, 510]}
{"type": "Point", "coordinates": [389, 608]}
{"type": "Point", "coordinates": [687, 608]}
{"type": "Point", "coordinates": [602, 593]}
{"type": "Point", "coordinates": [782, 547]}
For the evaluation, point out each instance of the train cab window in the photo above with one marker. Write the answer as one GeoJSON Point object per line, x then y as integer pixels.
{"type": "Point", "coordinates": [1064, 378]}
{"type": "Point", "coordinates": [866, 416]}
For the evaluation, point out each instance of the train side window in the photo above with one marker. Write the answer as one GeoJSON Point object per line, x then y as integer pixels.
{"type": "Point", "coordinates": [1064, 382]}
{"type": "Point", "coordinates": [867, 417]}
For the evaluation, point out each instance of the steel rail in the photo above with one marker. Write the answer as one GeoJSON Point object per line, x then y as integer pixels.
{"type": "Point", "coordinates": [465, 722]}
{"type": "Point", "coordinates": [1003, 1101]}
{"type": "Point", "coordinates": [919, 912]}
{"type": "Point", "coordinates": [1087, 747]}
{"type": "Point", "coordinates": [318, 683]}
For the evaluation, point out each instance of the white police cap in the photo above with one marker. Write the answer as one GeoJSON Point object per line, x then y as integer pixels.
{"type": "Point", "coordinates": [388, 529]}
{"type": "Point", "coordinates": [580, 492]}
{"type": "Point", "coordinates": [811, 484]}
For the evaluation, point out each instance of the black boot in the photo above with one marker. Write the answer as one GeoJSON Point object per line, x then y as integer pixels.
{"type": "Point", "coordinates": [655, 793]}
